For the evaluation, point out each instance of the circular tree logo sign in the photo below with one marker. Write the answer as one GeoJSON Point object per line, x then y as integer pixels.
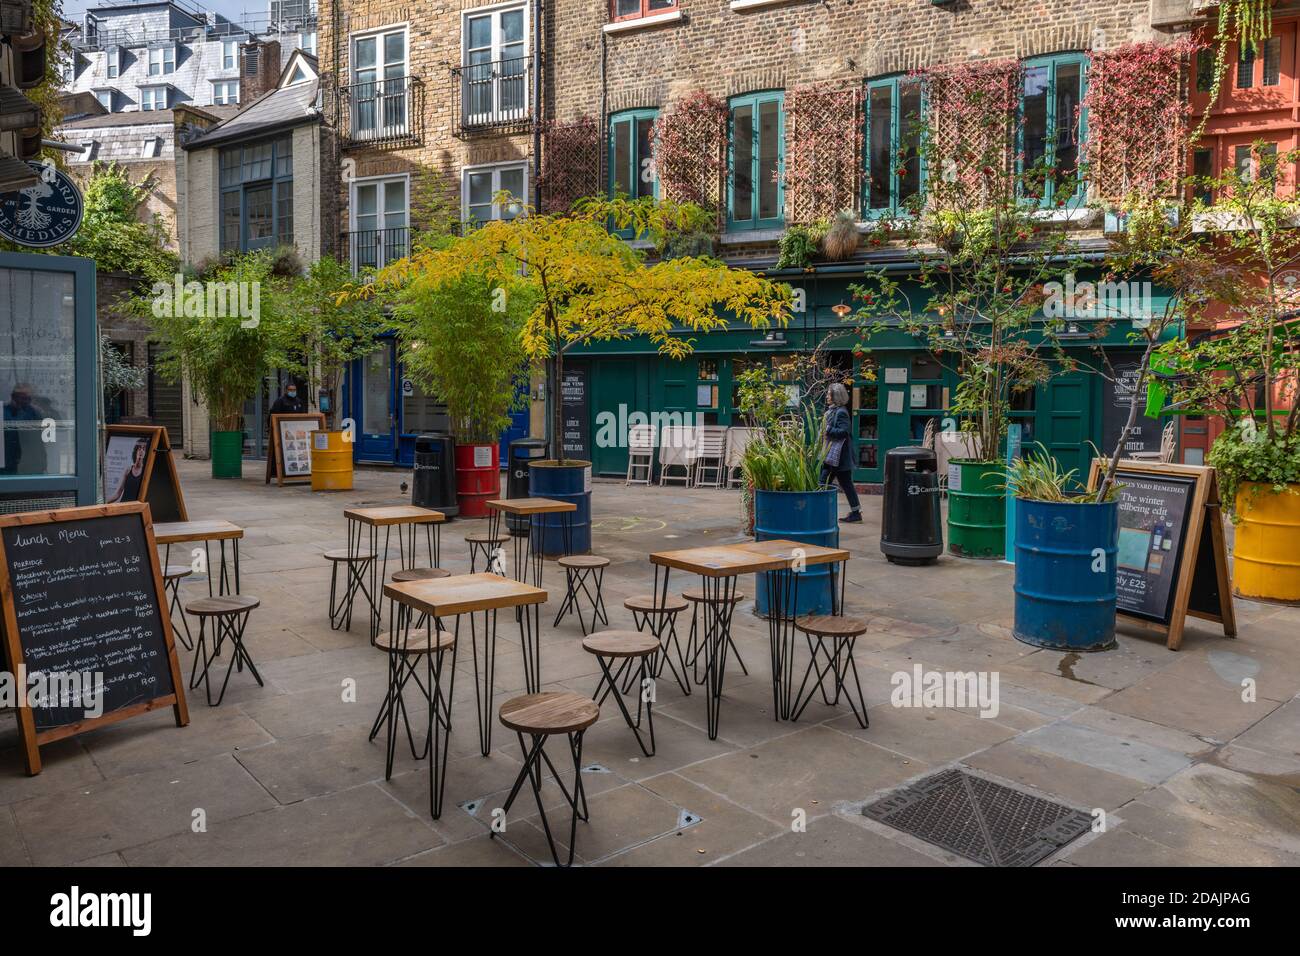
{"type": "Point", "coordinates": [44, 214]}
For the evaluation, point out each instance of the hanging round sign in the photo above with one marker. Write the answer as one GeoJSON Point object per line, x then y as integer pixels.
{"type": "Point", "coordinates": [44, 214]}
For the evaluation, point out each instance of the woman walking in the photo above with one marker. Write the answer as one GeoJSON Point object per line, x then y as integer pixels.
{"type": "Point", "coordinates": [839, 448]}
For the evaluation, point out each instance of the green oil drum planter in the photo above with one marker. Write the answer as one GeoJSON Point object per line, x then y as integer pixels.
{"type": "Point", "coordinates": [1065, 573]}
{"type": "Point", "coordinates": [977, 519]}
{"type": "Point", "coordinates": [227, 454]}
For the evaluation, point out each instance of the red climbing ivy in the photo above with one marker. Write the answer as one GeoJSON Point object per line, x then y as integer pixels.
{"type": "Point", "coordinates": [973, 109]}
{"type": "Point", "coordinates": [690, 150]}
{"type": "Point", "coordinates": [570, 164]}
{"type": "Point", "coordinates": [824, 143]}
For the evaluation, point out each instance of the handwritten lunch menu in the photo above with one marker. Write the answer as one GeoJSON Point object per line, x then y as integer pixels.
{"type": "Point", "coordinates": [88, 614]}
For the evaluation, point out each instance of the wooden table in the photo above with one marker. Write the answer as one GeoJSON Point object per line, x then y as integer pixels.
{"type": "Point", "coordinates": [782, 586]}
{"type": "Point", "coordinates": [403, 517]}
{"type": "Point", "coordinates": [534, 510]}
{"type": "Point", "coordinates": [178, 532]}
{"type": "Point", "coordinates": [718, 567]}
{"type": "Point", "coordinates": [470, 594]}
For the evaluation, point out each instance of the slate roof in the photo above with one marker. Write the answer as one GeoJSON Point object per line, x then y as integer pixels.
{"type": "Point", "coordinates": [279, 109]}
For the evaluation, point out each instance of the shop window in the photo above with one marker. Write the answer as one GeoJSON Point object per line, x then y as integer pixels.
{"type": "Point", "coordinates": [893, 137]}
{"type": "Point", "coordinates": [926, 366]}
{"type": "Point", "coordinates": [636, 9]}
{"type": "Point", "coordinates": [1052, 128]}
{"type": "Point", "coordinates": [755, 154]}
{"type": "Point", "coordinates": [706, 385]}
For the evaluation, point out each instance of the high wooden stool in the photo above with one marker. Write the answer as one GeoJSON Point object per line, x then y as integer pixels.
{"type": "Point", "coordinates": [229, 613]}
{"type": "Point", "coordinates": [172, 576]}
{"type": "Point", "coordinates": [630, 647]}
{"type": "Point", "coordinates": [581, 570]}
{"type": "Point", "coordinates": [843, 633]}
{"type": "Point", "coordinates": [695, 640]}
{"type": "Point", "coordinates": [662, 619]}
{"type": "Point", "coordinates": [405, 646]}
{"type": "Point", "coordinates": [542, 716]}
{"type": "Point", "coordinates": [483, 544]}
{"type": "Point", "coordinates": [419, 574]}
{"type": "Point", "coordinates": [356, 566]}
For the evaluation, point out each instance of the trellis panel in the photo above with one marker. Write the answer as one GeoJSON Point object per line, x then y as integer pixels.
{"type": "Point", "coordinates": [823, 155]}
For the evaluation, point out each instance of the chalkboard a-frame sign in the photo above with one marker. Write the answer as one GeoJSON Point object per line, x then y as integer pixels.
{"type": "Point", "coordinates": [81, 593]}
{"type": "Point", "coordinates": [1173, 556]}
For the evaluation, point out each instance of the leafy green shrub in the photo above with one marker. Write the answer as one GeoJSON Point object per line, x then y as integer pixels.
{"type": "Point", "coordinates": [1246, 454]}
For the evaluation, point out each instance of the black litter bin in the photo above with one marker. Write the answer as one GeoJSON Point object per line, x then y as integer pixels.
{"type": "Point", "coordinates": [911, 530]}
{"type": "Point", "coordinates": [521, 452]}
{"type": "Point", "coordinates": [434, 483]}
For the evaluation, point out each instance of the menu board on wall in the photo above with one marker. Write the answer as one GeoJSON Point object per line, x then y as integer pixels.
{"type": "Point", "coordinates": [85, 621]}
{"type": "Point", "coordinates": [1118, 390]}
{"type": "Point", "coordinates": [575, 404]}
{"type": "Point", "coordinates": [1172, 559]}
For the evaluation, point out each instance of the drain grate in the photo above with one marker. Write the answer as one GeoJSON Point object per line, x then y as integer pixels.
{"type": "Point", "coordinates": [980, 820]}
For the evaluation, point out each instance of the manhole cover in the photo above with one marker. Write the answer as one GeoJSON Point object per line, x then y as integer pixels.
{"type": "Point", "coordinates": [980, 820]}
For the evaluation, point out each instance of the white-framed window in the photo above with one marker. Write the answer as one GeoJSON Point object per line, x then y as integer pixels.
{"type": "Point", "coordinates": [379, 71]}
{"type": "Point", "coordinates": [225, 92]}
{"type": "Point", "coordinates": [229, 54]}
{"type": "Point", "coordinates": [479, 184]}
{"type": "Point", "coordinates": [151, 148]}
{"type": "Point", "coordinates": [114, 62]}
{"type": "Point", "coordinates": [307, 41]}
{"type": "Point", "coordinates": [153, 97]}
{"type": "Point", "coordinates": [494, 64]}
{"type": "Point", "coordinates": [162, 60]}
{"type": "Point", "coordinates": [380, 221]}
{"type": "Point", "coordinates": [105, 98]}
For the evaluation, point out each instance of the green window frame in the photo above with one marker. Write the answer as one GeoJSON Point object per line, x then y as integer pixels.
{"type": "Point", "coordinates": [755, 162]}
{"type": "Point", "coordinates": [256, 195]}
{"type": "Point", "coordinates": [893, 126]}
{"type": "Point", "coordinates": [631, 165]}
{"type": "Point", "coordinates": [1047, 103]}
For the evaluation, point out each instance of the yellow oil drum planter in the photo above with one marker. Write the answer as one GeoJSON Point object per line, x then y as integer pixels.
{"type": "Point", "coordinates": [1266, 565]}
{"type": "Point", "coordinates": [331, 462]}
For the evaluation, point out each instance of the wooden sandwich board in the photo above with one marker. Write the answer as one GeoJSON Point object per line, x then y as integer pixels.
{"type": "Point", "coordinates": [291, 438]}
{"type": "Point", "coordinates": [154, 479]}
{"type": "Point", "coordinates": [1173, 556]}
{"type": "Point", "coordinates": [83, 610]}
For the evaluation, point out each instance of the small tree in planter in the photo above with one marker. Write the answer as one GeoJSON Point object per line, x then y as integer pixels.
{"type": "Point", "coordinates": [1247, 371]}
{"type": "Point", "coordinates": [460, 341]}
{"type": "Point", "coordinates": [223, 353]}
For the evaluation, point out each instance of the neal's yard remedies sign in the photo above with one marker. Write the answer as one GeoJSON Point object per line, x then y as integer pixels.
{"type": "Point", "coordinates": [1172, 559]}
{"type": "Point", "coordinates": [87, 635]}
{"type": "Point", "coordinates": [44, 214]}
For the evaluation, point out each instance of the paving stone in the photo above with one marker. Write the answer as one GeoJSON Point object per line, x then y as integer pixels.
{"type": "Point", "coordinates": [931, 735]}
{"type": "Point", "coordinates": [1120, 755]}
{"type": "Point", "coordinates": [830, 841]}
{"type": "Point", "coordinates": [302, 767]}
{"type": "Point", "coordinates": [358, 827]}
{"type": "Point", "coordinates": [154, 742]}
{"type": "Point", "coordinates": [65, 765]}
{"type": "Point", "coordinates": [1075, 784]}
{"type": "Point", "coordinates": [12, 850]}
{"type": "Point", "coordinates": [1184, 832]}
{"type": "Point", "coordinates": [1256, 808]}
{"type": "Point", "coordinates": [1122, 725]}
{"type": "Point", "coordinates": [1122, 848]}
{"type": "Point", "coordinates": [1212, 710]}
{"type": "Point", "coordinates": [478, 851]}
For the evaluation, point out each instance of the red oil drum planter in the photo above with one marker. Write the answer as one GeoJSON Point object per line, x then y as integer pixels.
{"type": "Point", "coordinates": [478, 478]}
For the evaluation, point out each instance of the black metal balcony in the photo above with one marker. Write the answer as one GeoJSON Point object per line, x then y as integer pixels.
{"type": "Point", "coordinates": [386, 112]}
{"type": "Point", "coordinates": [493, 97]}
{"type": "Point", "coordinates": [369, 249]}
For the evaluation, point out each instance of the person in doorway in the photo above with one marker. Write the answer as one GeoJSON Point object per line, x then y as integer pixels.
{"type": "Point", "coordinates": [839, 448]}
{"type": "Point", "coordinates": [289, 403]}
{"type": "Point", "coordinates": [24, 452]}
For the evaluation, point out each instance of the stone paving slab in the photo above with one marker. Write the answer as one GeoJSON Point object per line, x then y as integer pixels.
{"type": "Point", "coordinates": [1188, 770]}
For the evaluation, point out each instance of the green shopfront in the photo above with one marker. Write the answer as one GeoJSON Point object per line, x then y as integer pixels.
{"type": "Point", "coordinates": [899, 386]}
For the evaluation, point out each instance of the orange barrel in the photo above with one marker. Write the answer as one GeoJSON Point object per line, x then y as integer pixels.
{"type": "Point", "coordinates": [478, 478]}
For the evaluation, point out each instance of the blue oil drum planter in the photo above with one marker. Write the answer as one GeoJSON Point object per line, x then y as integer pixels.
{"type": "Point", "coordinates": [809, 517]}
{"type": "Point", "coordinates": [569, 480]}
{"type": "Point", "coordinates": [1065, 574]}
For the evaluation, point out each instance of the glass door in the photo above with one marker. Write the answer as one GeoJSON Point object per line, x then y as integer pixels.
{"type": "Point", "coordinates": [866, 407]}
{"type": "Point", "coordinates": [373, 408]}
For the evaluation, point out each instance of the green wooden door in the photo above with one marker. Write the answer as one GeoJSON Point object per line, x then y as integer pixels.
{"type": "Point", "coordinates": [1066, 420]}
{"type": "Point", "coordinates": [614, 396]}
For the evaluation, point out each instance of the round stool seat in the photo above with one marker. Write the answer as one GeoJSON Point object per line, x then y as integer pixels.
{"type": "Point", "coordinates": [174, 571]}
{"type": "Point", "coordinates": [418, 642]}
{"type": "Point", "coordinates": [224, 604]}
{"type": "Point", "coordinates": [583, 561]}
{"type": "Point", "coordinates": [829, 625]}
{"type": "Point", "coordinates": [647, 604]}
{"type": "Point", "coordinates": [620, 644]}
{"type": "Point", "coordinates": [420, 574]}
{"type": "Point", "coordinates": [696, 595]}
{"type": "Point", "coordinates": [341, 554]}
{"type": "Point", "coordinates": [550, 713]}
{"type": "Point", "coordinates": [482, 537]}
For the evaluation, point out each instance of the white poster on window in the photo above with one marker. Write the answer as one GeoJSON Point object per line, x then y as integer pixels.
{"type": "Point", "coordinates": [895, 406]}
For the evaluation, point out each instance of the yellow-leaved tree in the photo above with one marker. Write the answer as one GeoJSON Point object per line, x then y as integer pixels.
{"type": "Point", "coordinates": [590, 285]}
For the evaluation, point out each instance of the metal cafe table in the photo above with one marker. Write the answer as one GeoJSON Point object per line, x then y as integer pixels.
{"type": "Point", "coordinates": [718, 568]}
{"type": "Point", "coordinates": [527, 552]}
{"type": "Point", "coordinates": [178, 532]}
{"type": "Point", "coordinates": [406, 518]}
{"type": "Point", "coordinates": [783, 600]}
{"type": "Point", "coordinates": [471, 594]}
